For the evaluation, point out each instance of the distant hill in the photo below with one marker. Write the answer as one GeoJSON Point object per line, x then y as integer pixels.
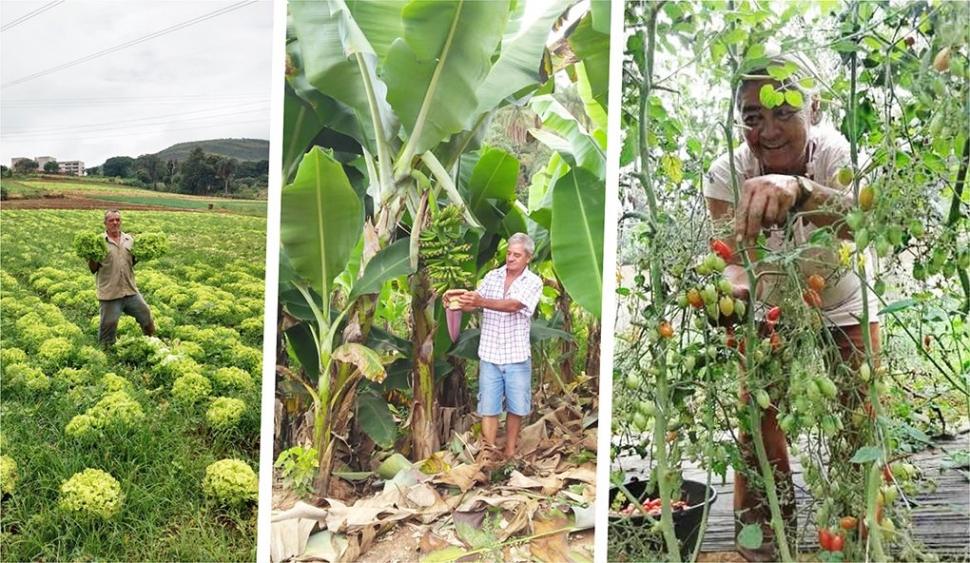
{"type": "Point", "coordinates": [240, 149]}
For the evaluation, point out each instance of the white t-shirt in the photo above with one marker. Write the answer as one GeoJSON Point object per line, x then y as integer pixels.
{"type": "Point", "coordinates": [828, 151]}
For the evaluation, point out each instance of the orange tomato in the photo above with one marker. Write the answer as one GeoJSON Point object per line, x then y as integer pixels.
{"type": "Point", "coordinates": [816, 282]}
{"type": "Point", "coordinates": [867, 196]}
{"type": "Point", "coordinates": [848, 523]}
{"type": "Point", "coordinates": [695, 299]}
{"type": "Point", "coordinates": [665, 329]}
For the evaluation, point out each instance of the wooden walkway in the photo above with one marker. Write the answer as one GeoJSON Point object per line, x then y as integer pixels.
{"type": "Point", "coordinates": [941, 518]}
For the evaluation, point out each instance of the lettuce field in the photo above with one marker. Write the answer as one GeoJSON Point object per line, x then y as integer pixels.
{"type": "Point", "coordinates": [122, 454]}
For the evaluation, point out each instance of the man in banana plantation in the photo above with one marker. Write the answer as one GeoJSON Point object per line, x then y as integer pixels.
{"type": "Point", "coordinates": [117, 292]}
{"type": "Point", "coordinates": [507, 297]}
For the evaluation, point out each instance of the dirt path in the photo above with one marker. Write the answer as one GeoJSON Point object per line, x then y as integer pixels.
{"type": "Point", "coordinates": [84, 203]}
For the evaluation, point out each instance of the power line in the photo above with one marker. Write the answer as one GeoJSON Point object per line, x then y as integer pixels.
{"type": "Point", "coordinates": [131, 43]}
{"type": "Point", "coordinates": [148, 133]}
{"type": "Point", "coordinates": [144, 100]}
{"type": "Point", "coordinates": [34, 131]}
{"type": "Point", "coordinates": [30, 15]}
{"type": "Point", "coordinates": [55, 134]}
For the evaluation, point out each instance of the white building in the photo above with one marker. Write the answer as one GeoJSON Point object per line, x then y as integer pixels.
{"type": "Point", "coordinates": [72, 167]}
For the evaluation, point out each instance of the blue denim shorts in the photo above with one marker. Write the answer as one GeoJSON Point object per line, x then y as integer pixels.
{"type": "Point", "coordinates": [513, 381]}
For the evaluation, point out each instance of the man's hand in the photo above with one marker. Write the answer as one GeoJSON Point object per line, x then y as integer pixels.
{"type": "Point", "coordinates": [453, 294]}
{"type": "Point", "coordinates": [93, 266]}
{"type": "Point", "coordinates": [765, 202]}
{"type": "Point", "coordinates": [471, 300]}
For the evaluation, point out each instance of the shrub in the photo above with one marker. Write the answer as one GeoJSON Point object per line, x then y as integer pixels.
{"type": "Point", "coordinates": [112, 382]}
{"type": "Point", "coordinates": [91, 356]}
{"type": "Point", "coordinates": [8, 474]}
{"type": "Point", "coordinates": [55, 351]}
{"type": "Point", "coordinates": [91, 493]}
{"type": "Point", "coordinates": [10, 356]}
{"type": "Point", "coordinates": [68, 377]}
{"type": "Point", "coordinates": [90, 246]}
{"type": "Point", "coordinates": [148, 246]}
{"type": "Point", "coordinates": [232, 378]}
{"type": "Point", "coordinates": [172, 366]}
{"type": "Point", "coordinates": [225, 413]}
{"type": "Point", "coordinates": [191, 388]}
{"type": "Point", "coordinates": [230, 482]}
{"type": "Point", "coordinates": [23, 376]}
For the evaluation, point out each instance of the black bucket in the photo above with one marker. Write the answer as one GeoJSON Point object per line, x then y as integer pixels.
{"type": "Point", "coordinates": [632, 534]}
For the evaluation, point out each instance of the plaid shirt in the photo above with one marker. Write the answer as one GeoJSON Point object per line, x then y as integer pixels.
{"type": "Point", "coordinates": [505, 336]}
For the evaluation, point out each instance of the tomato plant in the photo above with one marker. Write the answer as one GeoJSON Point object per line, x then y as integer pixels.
{"type": "Point", "coordinates": [902, 241]}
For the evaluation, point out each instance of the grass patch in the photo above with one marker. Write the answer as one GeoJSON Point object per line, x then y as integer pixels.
{"type": "Point", "coordinates": [245, 207]}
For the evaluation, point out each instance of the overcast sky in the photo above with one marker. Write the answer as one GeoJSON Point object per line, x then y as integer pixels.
{"type": "Point", "coordinates": [208, 80]}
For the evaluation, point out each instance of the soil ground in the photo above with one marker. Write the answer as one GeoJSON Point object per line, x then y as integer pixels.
{"type": "Point", "coordinates": [84, 203]}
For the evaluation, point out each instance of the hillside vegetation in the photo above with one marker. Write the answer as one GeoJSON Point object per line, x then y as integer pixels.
{"type": "Point", "coordinates": [240, 149]}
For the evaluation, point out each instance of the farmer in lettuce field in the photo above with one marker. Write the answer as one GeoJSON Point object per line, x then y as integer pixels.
{"type": "Point", "coordinates": [507, 297]}
{"type": "Point", "coordinates": [117, 292]}
{"type": "Point", "coordinates": [793, 169]}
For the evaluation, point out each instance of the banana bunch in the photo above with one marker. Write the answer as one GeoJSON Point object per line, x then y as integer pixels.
{"type": "Point", "coordinates": [442, 251]}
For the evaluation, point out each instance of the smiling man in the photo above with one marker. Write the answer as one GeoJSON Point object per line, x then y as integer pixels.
{"type": "Point", "coordinates": [117, 292]}
{"type": "Point", "coordinates": [788, 173]}
{"type": "Point", "coordinates": [508, 297]}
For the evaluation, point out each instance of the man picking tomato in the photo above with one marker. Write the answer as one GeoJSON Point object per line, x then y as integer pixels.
{"type": "Point", "coordinates": [792, 174]}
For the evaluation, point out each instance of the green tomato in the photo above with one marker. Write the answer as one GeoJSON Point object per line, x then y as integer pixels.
{"type": "Point", "coordinates": [919, 271]}
{"type": "Point", "coordinates": [895, 235]}
{"type": "Point", "coordinates": [829, 427]}
{"type": "Point", "coordinates": [861, 239]}
{"type": "Point", "coordinates": [647, 408]}
{"type": "Point", "coordinates": [916, 228]}
{"type": "Point", "coordinates": [632, 381]}
{"type": "Point", "coordinates": [689, 363]}
{"type": "Point", "coordinates": [855, 219]}
{"type": "Point", "coordinates": [725, 286]}
{"type": "Point", "coordinates": [639, 421]}
{"type": "Point", "coordinates": [761, 397]}
{"type": "Point", "coordinates": [883, 247]}
{"type": "Point", "coordinates": [827, 387]}
{"type": "Point", "coordinates": [709, 294]}
{"type": "Point", "coordinates": [787, 423]}
{"type": "Point", "coordinates": [879, 287]}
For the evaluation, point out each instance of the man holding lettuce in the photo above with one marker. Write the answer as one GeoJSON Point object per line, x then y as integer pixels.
{"type": "Point", "coordinates": [117, 292]}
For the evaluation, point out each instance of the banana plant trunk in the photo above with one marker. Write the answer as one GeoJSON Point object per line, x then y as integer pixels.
{"type": "Point", "coordinates": [567, 347]}
{"type": "Point", "coordinates": [423, 433]}
{"type": "Point", "coordinates": [454, 389]}
{"type": "Point", "coordinates": [593, 338]}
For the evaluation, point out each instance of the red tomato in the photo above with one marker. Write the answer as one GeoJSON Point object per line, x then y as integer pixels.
{"type": "Point", "coordinates": [721, 249]}
{"type": "Point", "coordinates": [812, 298]}
{"type": "Point", "coordinates": [825, 539]}
{"type": "Point", "coordinates": [838, 542]}
{"type": "Point", "coordinates": [775, 342]}
{"type": "Point", "coordinates": [773, 314]}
